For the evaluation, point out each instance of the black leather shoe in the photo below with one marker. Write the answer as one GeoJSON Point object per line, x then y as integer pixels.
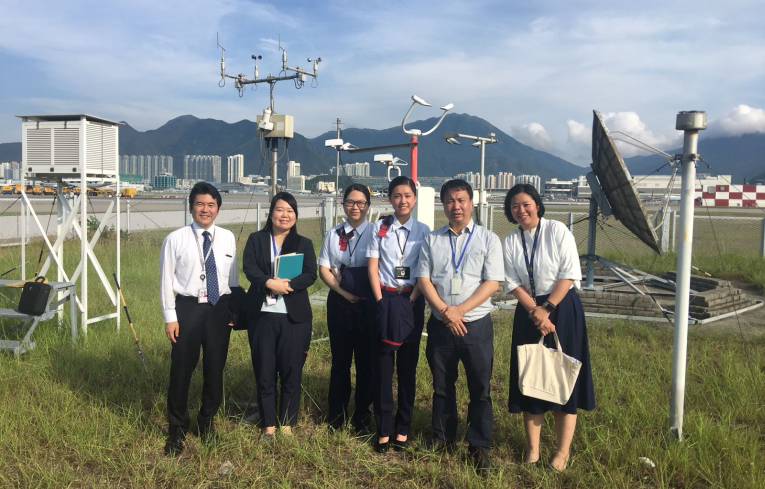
{"type": "Point", "coordinates": [361, 430]}
{"type": "Point", "coordinates": [207, 434]}
{"type": "Point", "coordinates": [400, 446]}
{"type": "Point", "coordinates": [382, 447]}
{"type": "Point", "coordinates": [480, 458]}
{"type": "Point", "coordinates": [439, 446]}
{"type": "Point", "coordinates": [174, 445]}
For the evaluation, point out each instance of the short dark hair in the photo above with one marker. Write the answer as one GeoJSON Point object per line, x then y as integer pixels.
{"type": "Point", "coordinates": [522, 188]}
{"type": "Point", "coordinates": [204, 188]}
{"type": "Point", "coordinates": [291, 242]}
{"type": "Point", "coordinates": [358, 187]}
{"type": "Point", "coordinates": [456, 185]}
{"type": "Point", "coordinates": [401, 180]}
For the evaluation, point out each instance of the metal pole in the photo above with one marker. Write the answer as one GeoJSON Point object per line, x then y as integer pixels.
{"type": "Point", "coordinates": [84, 224]}
{"type": "Point", "coordinates": [571, 222]}
{"type": "Point", "coordinates": [259, 214]}
{"type": "Point", "coordinates": [118, 243]}
{"type": "Point", "coordinates": [274, 158]}
{"type": "Point", "coordinates": [61, 219]}
{"type": "Point", "coordinates": [127, 215]}
{"type": "Point", "coordinates": [690, 124]}
{"type": "Point", "coordinates": [762, 239]}
{"type": "Point", "coordinates": [337, 164]}
{"type": "Point", "coordinates": [482, 182]}
{"type": "Point", "coordinates": [674, 230]}
{"type": "Point", "coordinates": [23, 230]}
{"type": "Point", "coordinates": [591, 242]}
{"type": "Point", "coordinates": [185, 213]}
{"type": "Point", "coordinates": [413, 158]}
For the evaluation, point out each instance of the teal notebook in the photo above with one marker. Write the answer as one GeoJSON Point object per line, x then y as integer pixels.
{"type": "Point", "coordinates": [289, 266]}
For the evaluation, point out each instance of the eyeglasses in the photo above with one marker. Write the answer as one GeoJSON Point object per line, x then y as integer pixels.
{"type": "Point", "coordinates": [358, 203]}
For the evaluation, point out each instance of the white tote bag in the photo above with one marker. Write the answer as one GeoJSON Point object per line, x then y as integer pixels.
{"type": "Point", "coordinates": [547, 374]}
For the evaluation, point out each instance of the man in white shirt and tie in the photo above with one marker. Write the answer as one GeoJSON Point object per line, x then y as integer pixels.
{"type": "Point", "coordinates": [197, 268]}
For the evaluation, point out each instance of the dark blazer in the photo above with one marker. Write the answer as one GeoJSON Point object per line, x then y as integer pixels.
{"type": "Point", "coordinates": [256, 261]}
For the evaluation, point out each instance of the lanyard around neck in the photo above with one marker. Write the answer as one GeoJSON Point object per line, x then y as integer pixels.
{"type": "Point", "coordinates": [530, 262]}
{"type": "Point", "coordinates": [398, 241]}
{"type": "Point", "coordinates": [462, 255]}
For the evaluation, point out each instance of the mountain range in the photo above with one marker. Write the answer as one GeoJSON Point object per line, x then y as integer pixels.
{"type": "Point", "coordinates": [741, 157]}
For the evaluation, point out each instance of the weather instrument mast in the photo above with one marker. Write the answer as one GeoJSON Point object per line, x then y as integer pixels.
{"type": "Point", "coordinates": [271, 126]}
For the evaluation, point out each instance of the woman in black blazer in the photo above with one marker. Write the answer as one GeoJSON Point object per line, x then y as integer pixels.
{"type": "Point", "coordinates": [279, 314]}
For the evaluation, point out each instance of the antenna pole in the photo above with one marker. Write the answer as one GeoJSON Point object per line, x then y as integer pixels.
{"type": "Point", "coordinates": [690, 123]}
{"type": "Point", "coordinates": [274, 158]}
{"type": "Point", "coordinates": [337, 165]}
{"type": "Point", "coordinates": [413, 160]}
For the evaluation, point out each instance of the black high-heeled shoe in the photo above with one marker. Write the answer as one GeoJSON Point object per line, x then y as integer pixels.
{"type": "Point", "coordinates": [399, 445]}
{"type": "Point", "coordinates": [382, 447]}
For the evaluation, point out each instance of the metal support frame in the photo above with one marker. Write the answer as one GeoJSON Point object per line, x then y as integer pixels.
{"type": "Point", "coordinates": [62, 292]}
{"type": "Point", "coordinates": [67, 223]}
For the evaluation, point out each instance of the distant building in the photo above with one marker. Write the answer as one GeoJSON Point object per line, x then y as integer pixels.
{"type": "Point", "coordinates": [533, 180]}
{"type": "Point", "coordinates": [355, 170]}
{"type": "Point", "coordinates": [202, 168]}
{"type": "Point", "coordinates": [296, 182]}
{"type": "Point", "coordinates": [148, 166]}
{"type": "Point", "coordinates": [11, 170]}
{"type": "Point", "coordinates": [293, 169]}
{"type": "Point", "coordinates": [325, 187]}
{"type": "Point", "coordinates": [561, 189]}
{"type": "Point", "coordinates": [234, 168]}
{"type": "Point", "coordinates": [164, 181]}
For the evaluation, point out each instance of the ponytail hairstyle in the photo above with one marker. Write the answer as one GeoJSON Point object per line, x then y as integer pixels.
{"type": "Point", "coordinates": [292, 240]}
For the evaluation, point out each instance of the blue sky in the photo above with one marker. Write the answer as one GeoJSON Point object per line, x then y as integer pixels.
{"type": "Point", "coordinates": [536, 71]}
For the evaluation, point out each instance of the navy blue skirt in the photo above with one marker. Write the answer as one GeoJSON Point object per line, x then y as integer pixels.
{"type": "Point", "coordinates": [568, 319]}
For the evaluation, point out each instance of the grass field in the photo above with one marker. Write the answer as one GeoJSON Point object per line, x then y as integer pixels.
{"type": "Point", "coordinates": [87, 415]}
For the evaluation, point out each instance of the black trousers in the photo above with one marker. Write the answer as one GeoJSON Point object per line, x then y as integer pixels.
{"type": "Point", "coordinates": [349, 338]}
{"type": "Point", "coordinates": [199, 326]}
{"type": "Point", "coordinates": [476, 351]}
{"type": "Point", "coordinates": [405, 360]}
{"type": "Point", "coordinates": [278, 346]}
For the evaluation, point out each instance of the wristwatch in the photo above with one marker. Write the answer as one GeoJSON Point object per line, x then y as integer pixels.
{"type": "Point", "coordinates": [549, 306]}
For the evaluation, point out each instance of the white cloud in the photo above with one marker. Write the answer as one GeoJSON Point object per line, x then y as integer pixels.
{"type": "Point", "coordinates": [741, 120]}
{"type": "Point", "coordinates": [578, 133]}
{"type": "Point", "coordinates": [534, 135]}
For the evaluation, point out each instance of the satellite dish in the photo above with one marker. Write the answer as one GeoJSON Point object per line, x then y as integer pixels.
{"type": "Point", "coordinates": [617, 185]}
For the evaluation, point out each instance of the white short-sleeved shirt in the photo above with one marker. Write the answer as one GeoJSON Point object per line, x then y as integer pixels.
{"type": "Point", "coordinates": [556, 257]}
{"type": "Point", "coordinates": [355, 254]}
{"type": "Point", "coordinates": [407, 237]}
{"type": "Point", "coordinates": [482, 260]}
{"type": "Point", "coordinates": [180, 265]}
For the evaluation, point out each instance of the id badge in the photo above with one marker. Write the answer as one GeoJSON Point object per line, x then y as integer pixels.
{"type": "Point", "coordinates": [401, 273]}
{"type": "Point", "coordinates": [456, 285]}
{"type": "Point", "coordinates": [270, 300]}
{"type": "Point", "coordinates": [202, 296]}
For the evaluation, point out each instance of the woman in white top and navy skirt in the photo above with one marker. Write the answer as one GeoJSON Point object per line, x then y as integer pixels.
{"type": "Point", "coordinates": [542, 270]}
{"type": "Point", "coordinates": [343, 267]}
{"type": "Point", "coordinates": [279, 314]}
{"type": "Point", "coordinates": [400, 313]}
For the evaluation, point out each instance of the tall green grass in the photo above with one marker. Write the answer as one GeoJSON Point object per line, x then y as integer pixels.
{"type": "Point", "coordinates": [87, 415]}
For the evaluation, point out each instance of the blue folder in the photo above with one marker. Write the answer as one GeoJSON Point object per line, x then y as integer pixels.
{"type": "Point", "coordinates": [289, 266]}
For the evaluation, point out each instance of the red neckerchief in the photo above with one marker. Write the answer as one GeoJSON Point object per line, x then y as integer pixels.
{"type": "Point", "coordinates": [386, 223]}
{"type": "Point", "coordinates": [344, 238]}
